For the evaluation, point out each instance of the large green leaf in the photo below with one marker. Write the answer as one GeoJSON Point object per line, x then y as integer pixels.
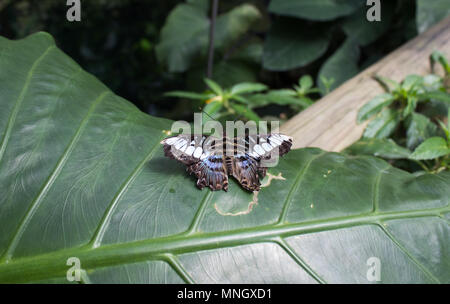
{"type": "Point", "coordinates": [358, 28]}
{"type": "Point", "coordinates": [292, 44]}
{"type": "Point", "coordinates": [183, 36]}
{"type": "Point", "coordinates": [185, 33]}
{"type": "Point", "coordinates": [382, 147]}
{"type": "Point", "coordinates": [82, 174]}
{"type": "Point", "coordinates": [314, 9]}
{"type": "Point", "coordinates": [340, 66]}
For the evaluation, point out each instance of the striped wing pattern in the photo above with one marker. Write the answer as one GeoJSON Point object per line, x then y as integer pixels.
{"type": "Point", "coordinates": [212, 159]}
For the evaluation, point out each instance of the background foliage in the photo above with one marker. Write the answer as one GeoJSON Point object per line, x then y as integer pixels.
{"type": "Point", "coordinates": [411, 121]}
{"type": "Point", "coordinates": [142, 49]}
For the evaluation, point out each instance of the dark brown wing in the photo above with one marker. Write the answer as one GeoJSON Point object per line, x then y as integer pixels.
{"type": "Point", "coordinates": [267, 146]}
{"type": "Point", "coordinates": [208, 166]}
{"type": "Point", "coordinates": [246, 170]}
{"type": "Point", "coordinates": [184, 148]}
{"type": "Point", "coordinates": [210, 172]}
{"type": "Point", "coordinates": [249, 167]}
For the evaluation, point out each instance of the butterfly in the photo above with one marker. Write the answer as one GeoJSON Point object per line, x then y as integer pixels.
{"type": "Point", "coordinates": [213, 159]}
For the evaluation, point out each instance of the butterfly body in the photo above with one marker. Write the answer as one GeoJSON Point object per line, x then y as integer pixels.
{"type": "Point", "coordinates": [213, 159]}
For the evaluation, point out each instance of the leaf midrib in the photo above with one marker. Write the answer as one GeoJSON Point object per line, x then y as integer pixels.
{"type": "Point", "coordinates": [53, 264]}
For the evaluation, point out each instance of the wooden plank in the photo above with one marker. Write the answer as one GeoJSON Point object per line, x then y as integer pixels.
{"type": "Point", "coordinates": [330, 123]}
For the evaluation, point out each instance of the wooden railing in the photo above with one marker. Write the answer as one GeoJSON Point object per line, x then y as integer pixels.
{"type": "Point", "coordinates": [330, 123]}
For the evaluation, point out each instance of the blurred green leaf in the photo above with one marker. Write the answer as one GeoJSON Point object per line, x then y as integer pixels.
{"type": "Point", "coordinates": [214, 86]}
{"type": "Point", "coordinates": [235, 23]}
{"type": "Point", "coordinates": [430, 12]}
{"type": "Point", "coordinates": [438, 57]}
{"type": "Point", "coordinates": [431, 148]}
{"type": "Point", "coordinates": [411, 82]}
{"type": "Point", "coordinates": [340, 66]}
{"type": "Point", "coordinates": [419, 128]}
{"type": "Point", "coordinates": [211, 109]}
{"type": "Point", "coordinates": [182, 37]}
{"type": "Point", "coordinates": [445, 129]}
{"type": "Point", "coordinates": [280, 97]}
{"type": "Point", "coordinates": [306, 82]}
{"type": "Point", "coordinates": [383, 125]}
{"type": "Point", "coordinates": [226, 72]}
{"type": "Point", "coordinates": [245, 111]}
{"type": "Point", "coordinates": [448, 119]}
{"type": "Point", "coordinates": [314, 9]}
{"type": "Point", "coordinates": [411, 104]}
{"type": "Point", "coordinates": [248, 87]}
{"type": "Point", "coordinates": [432, 82]}
{"type": "Point", "coordinates": [249, 53]}
{"type": "Point", "coordinates": [388, 84]}
{"type": "Point", "coordinates": [374, 106]}
{"type": "Point", "coordinates": [364, 32]}
{"type": "Point", "coordinates": [283, 93]}
{"type": "Point", "coordinates": [436, 95]}
{"type": "Point", "coordinates": [381, 147]}
{"type": "Point", "coordinates": [240, 99]}
{"type": "Point", "coordinates": [188, 95]}
{"type": "Point", "coordinates": [291, 44]}
{"type": "Point", "coordinates": [185, 33]}
{"type": "Point", "coordinates": [203, 5]}
{"type": "Point", "coordinates": [325, 83]}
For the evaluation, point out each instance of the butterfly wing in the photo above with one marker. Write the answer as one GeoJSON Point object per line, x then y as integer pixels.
{"type": "Point", "coordinates": [248, 167]}
{"type": "Point", "coordinates": [210, 172]}
{"type": "Point", "coordinates": [268, 146]}
{"type": "Point", "coordinates": [184, 148]}
{"type": "Point", "coordinates": [245, 169]}
{"type": "Point", "coordinates": [209, 168]}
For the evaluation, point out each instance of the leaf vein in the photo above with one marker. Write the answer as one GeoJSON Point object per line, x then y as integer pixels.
{"type": "Point", "coordinates": [50, 180]}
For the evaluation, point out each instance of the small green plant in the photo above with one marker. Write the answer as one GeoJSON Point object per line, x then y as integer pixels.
{"type": "Point", "coordinates": [240, 100]}
{"type": "Point", "coordinates": [409, 120]}
{"type": "Point", "coordinates": [221, 102]}
{"type": "Point", "coordinates": [297, 98]}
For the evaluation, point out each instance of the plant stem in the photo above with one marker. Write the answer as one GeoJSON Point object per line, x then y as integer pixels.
{"type": "Point", "coordinates": [214, 8]}
{"type": "Point", "coordinates": [425, 168]}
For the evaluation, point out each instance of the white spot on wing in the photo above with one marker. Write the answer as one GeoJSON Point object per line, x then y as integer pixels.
{"type": "Point", "coordinates": [258, 149]}
{"type": "Point", "coordinates": [284, 137]}
{"type": "Point", "coordinates": [190, 150]}
{"type": "Point", "coordinates": [198, 152]}
{"type": "Point", "coordinates": [274, 140]}
{"type": "Point", "coordinates": [183, 148]}
{"type": "Point", "coordinates": [254, 155]}
{"type": "Point", "coordinates": [180, 143]}
{"type": "Point", "coordinates": [172, 140]}
{"type": "Point", "coordinates": [267, 147]}
{"type": "Point", "coordinates": [278, 137]}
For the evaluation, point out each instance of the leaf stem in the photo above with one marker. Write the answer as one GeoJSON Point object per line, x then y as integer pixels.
{"type": "Point", "coordinates": [422, 165]}
{"type": "Point", "coordinates": [214, 9]}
